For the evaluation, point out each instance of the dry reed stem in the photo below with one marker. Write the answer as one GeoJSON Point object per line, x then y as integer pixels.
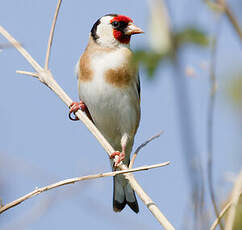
{"type": "Point", "coordinates": [52, 30]}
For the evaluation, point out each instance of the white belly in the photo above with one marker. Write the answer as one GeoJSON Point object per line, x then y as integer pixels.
{"type": "Point", "coordinates": [112, 110]}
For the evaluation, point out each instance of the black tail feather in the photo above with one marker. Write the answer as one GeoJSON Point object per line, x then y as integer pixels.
{"type": "Point", "coordinates": [119, 206]}
{"type": "Point", "coordinates": [134, 205]}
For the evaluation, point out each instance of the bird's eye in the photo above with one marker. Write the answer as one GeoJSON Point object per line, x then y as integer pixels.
{"type": "Point", "coordinates": [115, 24]}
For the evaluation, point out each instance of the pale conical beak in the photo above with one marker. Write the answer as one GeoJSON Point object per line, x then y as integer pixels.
{"type": "Point", "coordinates": [132, 29]}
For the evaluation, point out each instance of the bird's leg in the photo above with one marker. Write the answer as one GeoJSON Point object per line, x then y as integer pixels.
{"type": "Point", "coordinates": [75, 106]}
{"type": "Point", "coordinates": [121, 155]}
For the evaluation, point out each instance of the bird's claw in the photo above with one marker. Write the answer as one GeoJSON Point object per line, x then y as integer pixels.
{"type": "Point", "coordinates": [74, 107]}
{"type": "Point", "coordinates": [120, 157]}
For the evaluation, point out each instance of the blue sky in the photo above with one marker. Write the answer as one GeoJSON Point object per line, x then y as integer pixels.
{"type": "Point", "coordinates": [40, 145]}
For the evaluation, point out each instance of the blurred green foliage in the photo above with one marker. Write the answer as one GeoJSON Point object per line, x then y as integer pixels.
{"type": "Point", "coordinates": [235, 90]}
{"type": "Point", "coordinates": [188, 36]}
{"type": "Point", "coordinates": [150, 60]}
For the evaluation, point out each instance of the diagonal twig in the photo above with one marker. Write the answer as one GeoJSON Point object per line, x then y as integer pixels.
{"type": "Point", "coordinates": [37, 191]}
{"type": "Point", "coordinates": [28, 73]}
{"type": "Point", "coordinates": [223, 6]}
{"type": "Point", "coordinates": [52, 30]}
{"type": "Point", "coordinates": [142, 146]}
{"type": "Point", "coordinates": [233, 20]}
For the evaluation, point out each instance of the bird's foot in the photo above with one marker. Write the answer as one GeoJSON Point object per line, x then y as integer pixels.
{"type": "Point", "coordinates": [74, 107]}
{"type": "Point", "coordinates": [120, 157]}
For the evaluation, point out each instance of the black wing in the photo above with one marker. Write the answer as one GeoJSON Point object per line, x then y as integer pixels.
{"type": "Point", "coordinates": [138, 85]}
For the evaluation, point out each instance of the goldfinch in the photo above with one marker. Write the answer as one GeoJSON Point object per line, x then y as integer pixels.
{"type": "Point", "coordinates": [109, 90]}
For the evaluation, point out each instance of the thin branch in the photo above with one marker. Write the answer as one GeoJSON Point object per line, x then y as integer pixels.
{"type": "Point", "coordinates": [142, 146]}
{"type": "Point", "coordinates": [52, 30]}
{"type": "Point", "coordinates": [28, 73]}
{"type": "Point", "coordinates": [37, 191]}
{"type": "Point", "coordinates": [47, 78]}
{"type": "Point", "coordinates": [234, 202]}
{"type": "Point", "coordinates": [223, 6]}
{"type": "Point", "coordinates": [210, 121]}
{"type": "Point", "coordinates": [231, 18]}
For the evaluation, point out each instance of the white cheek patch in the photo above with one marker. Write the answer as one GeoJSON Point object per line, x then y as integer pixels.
{"type": "Point", "coordinates": [104, 30]}
{"type": "Point", "coordinates": [105, 33]}
{"type": "Point", "coordinates": [105, 36]}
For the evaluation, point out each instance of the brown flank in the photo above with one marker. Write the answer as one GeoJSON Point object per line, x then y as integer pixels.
{"type": "Point", "coordinates": [85, 73]}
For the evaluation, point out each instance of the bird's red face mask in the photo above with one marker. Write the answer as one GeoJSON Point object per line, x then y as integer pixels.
{"type": "Point", "coordinates": [123, 28]}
